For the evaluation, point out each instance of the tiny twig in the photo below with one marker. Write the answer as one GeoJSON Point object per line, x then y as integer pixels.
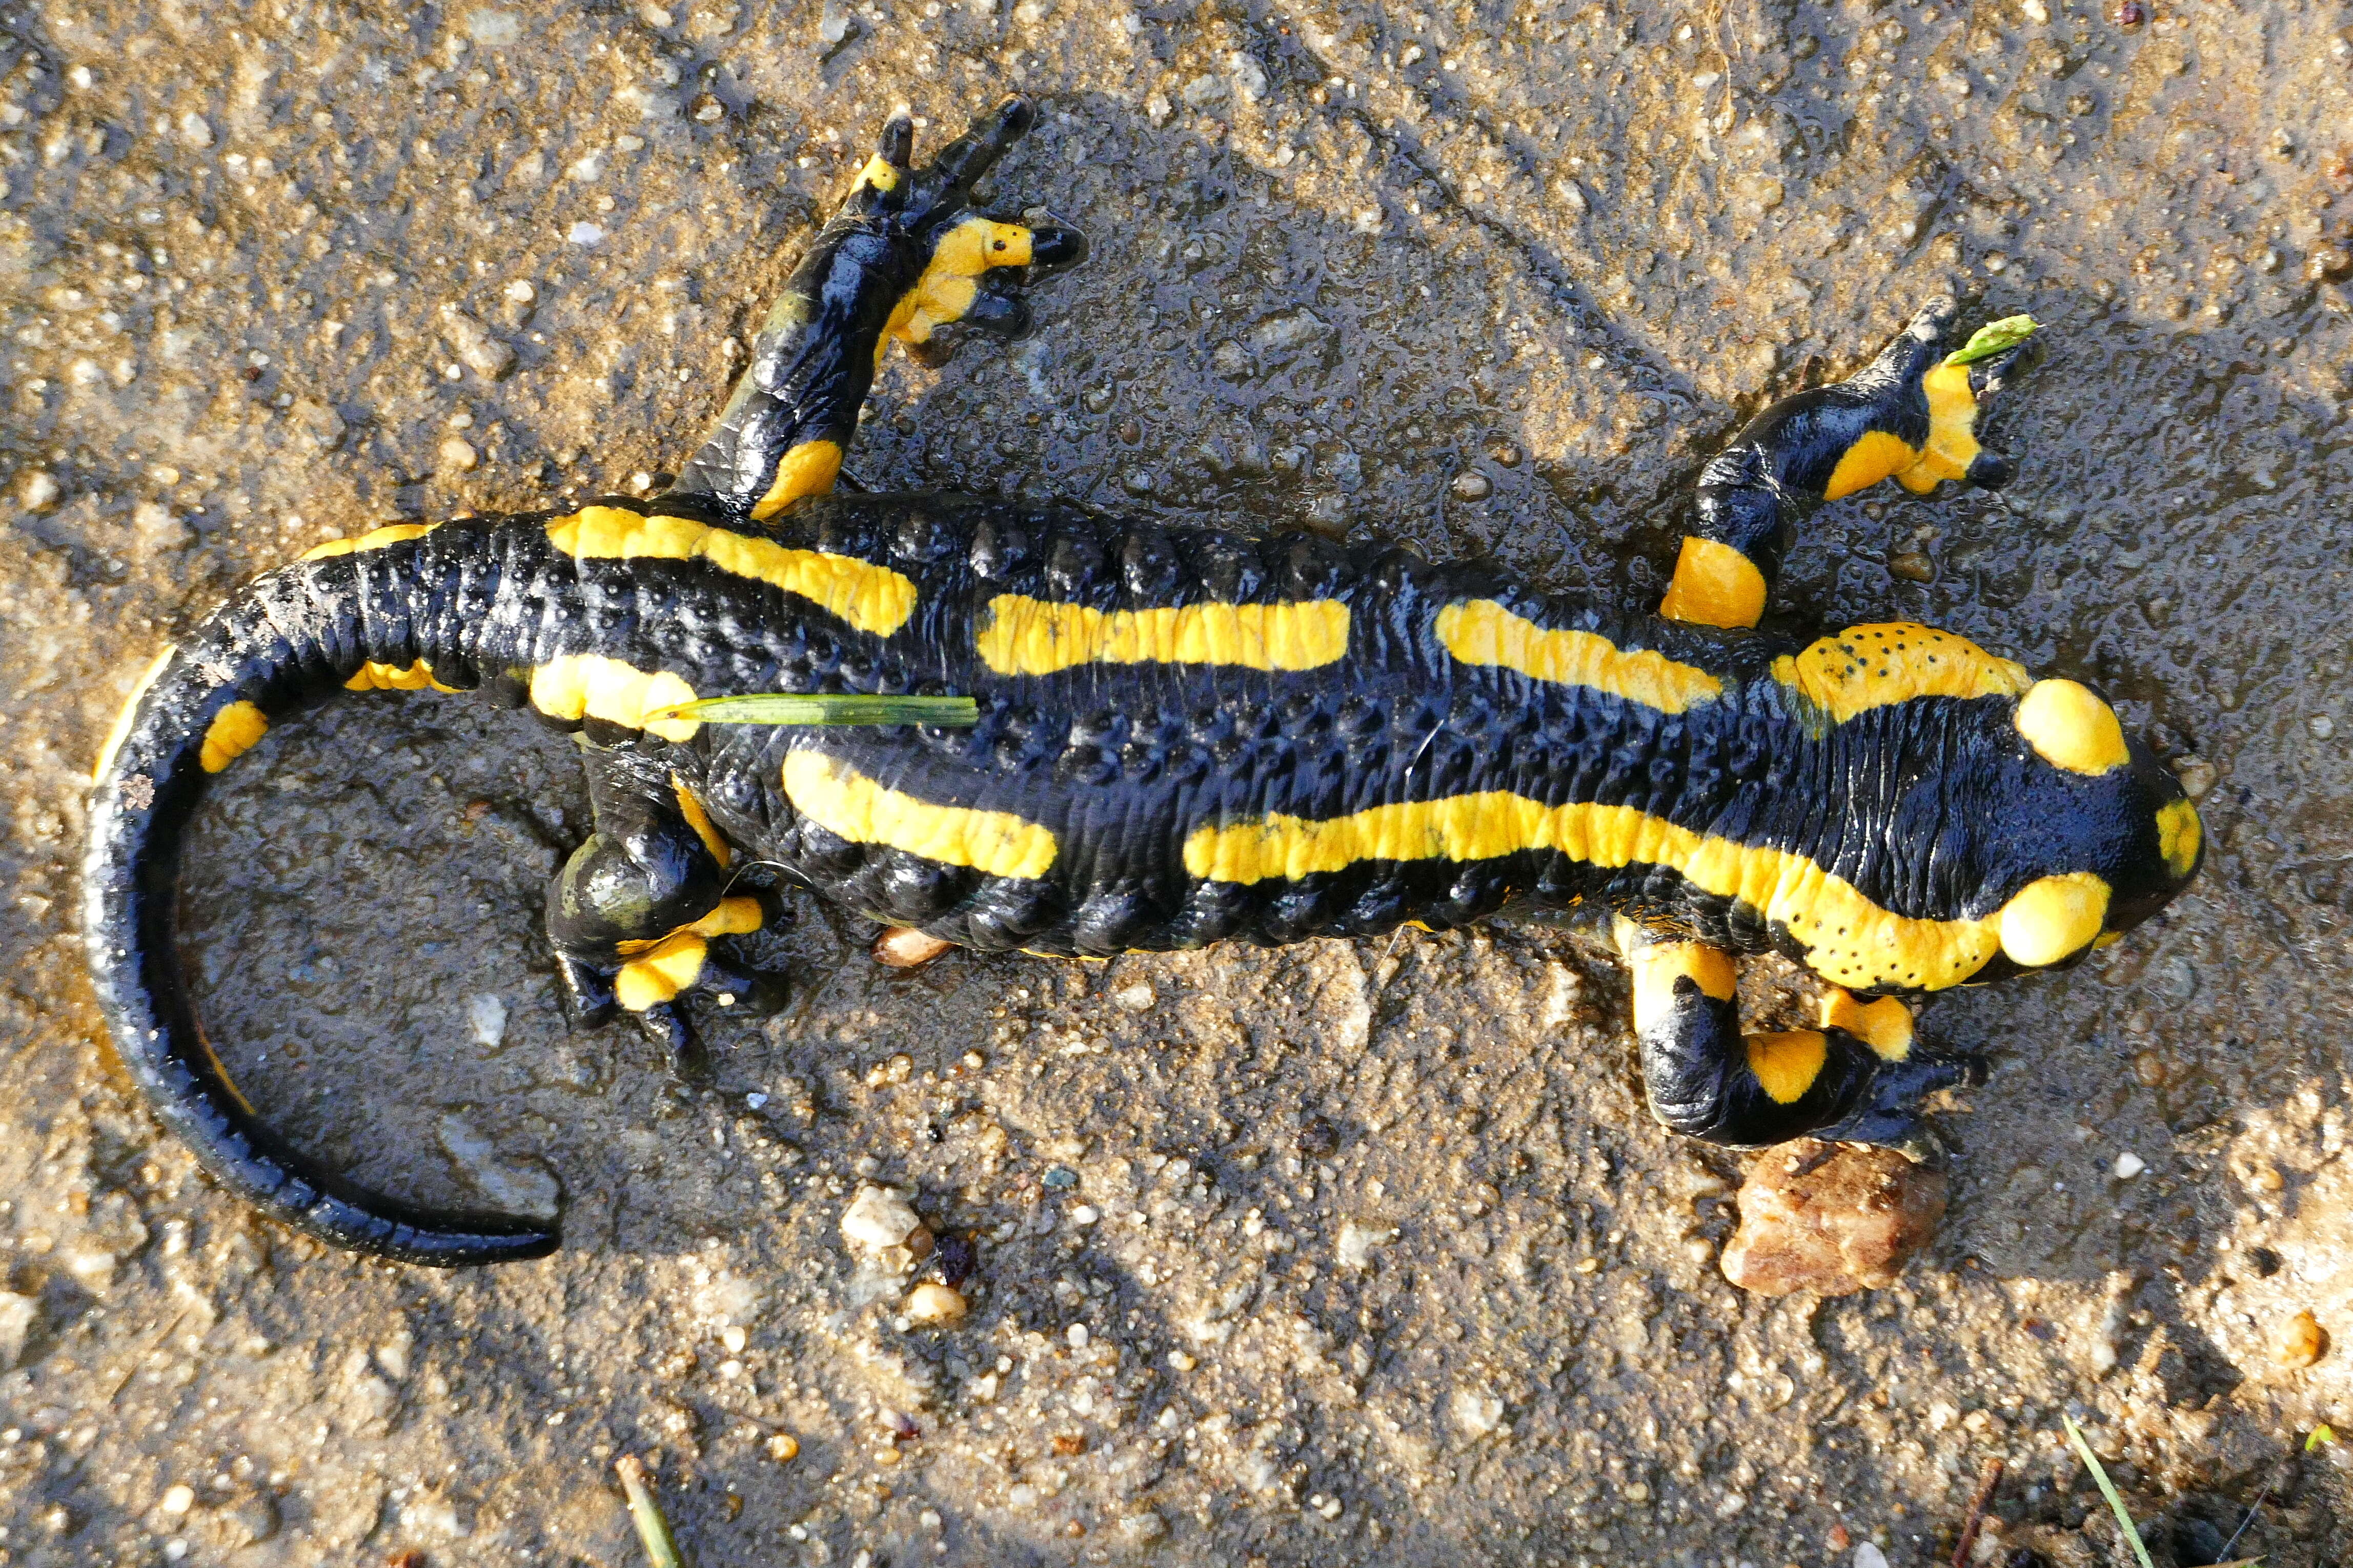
{"type": "Point", "coordinates": [131, 1369]}
{"type": "Point", "coordinates": [1987, 1479]}
{"type": "Point", "coordinates": [662, 1546]}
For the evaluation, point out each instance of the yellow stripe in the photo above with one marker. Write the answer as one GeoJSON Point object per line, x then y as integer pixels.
{"type": "Point", "coordinates": [728, 916]}
{"type": "Point", "coordinates": [1713, 586]}
{"type": "Point", "coordinates": [871, 598]}
{"type": "Point", "coordinates": [590, 686]}
{"type": "Point", "coordinates": [377, 539]}
{"type": "Point", "coordinates": [1885, 1025]}
{"type": "Point", "coordinates": [879, 174]}
{"type": "Point", "coordinates": [691, 808]}
{"type": "Point", "coordinates": [1484, 633]}
{"type": "Point", "coordinates": [850, 806]}
{"type": "Point", "coordinates": [119, 731]}
{"type": "Point", "coordinates": [1786, 1064]}
{"type": "Point", "coordinates": [375, 677]}
{"type": "Point", "coordinates": [1869, 666]}
{"type": "Point", "coordinates": [1658, 967]}
{"type": "Point", "coordinates": [948, 287]}
{"type": "Point", "coordinates": [808, 469]}
{"type": "Point", "coordinates": [231, 735]}
{"type": "Point", "coordinates": [1846, 937]}
{"type": "Point", "coordinates": [1033, 636]}
{"type": "Point", "coordinates": [1952, 444]}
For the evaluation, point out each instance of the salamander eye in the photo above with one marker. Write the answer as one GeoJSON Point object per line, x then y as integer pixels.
{"type": "Point", "coordinates": [2070, 726]}
{"type": "Point", "coordinates": [2053, 918]}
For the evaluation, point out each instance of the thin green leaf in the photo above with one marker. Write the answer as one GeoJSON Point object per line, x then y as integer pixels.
{"type": "Point", "coordinates": [653, 1530]}
{"type": "Point", "coordinates": [2321, 1437]}
{"type": "Point", "coordinates": [2107, 1490]}
{"type": "Point", "coordinates": [784, 708]}
{"type": "Point", "coordinates": [1993, 338]}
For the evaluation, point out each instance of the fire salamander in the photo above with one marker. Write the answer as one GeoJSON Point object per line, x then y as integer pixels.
{"type": "Point", "coordinates": [1183, 737]}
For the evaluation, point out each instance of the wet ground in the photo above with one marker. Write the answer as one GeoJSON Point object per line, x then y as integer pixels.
{"type": "Point", "coordinates": [1351, 1253]}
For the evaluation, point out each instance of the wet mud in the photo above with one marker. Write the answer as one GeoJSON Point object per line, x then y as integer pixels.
{"type": "Point", "coordinates": [1352, 1253]}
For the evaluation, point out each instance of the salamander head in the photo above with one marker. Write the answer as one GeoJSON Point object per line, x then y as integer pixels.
{"type": "Point", "coordinates": [2081, 833]}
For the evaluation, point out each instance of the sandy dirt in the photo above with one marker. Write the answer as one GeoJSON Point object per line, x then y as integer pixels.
{"type": "Point", "coordinates": [1352, 1253]}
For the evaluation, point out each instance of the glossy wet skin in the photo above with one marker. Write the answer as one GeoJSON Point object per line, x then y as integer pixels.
{"type": "Point", "coordinates": [2201, 600]}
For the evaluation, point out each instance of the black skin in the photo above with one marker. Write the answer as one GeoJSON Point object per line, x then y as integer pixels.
{"type": "Point", "coordinates": [1927, 806]}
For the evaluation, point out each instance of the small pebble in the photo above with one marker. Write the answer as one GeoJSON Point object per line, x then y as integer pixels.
{"type": "Point", "coordinates": [2304, 1342]}
{"type": "Point", "coordinates": [1182, 1361]}
{"type": "Point", "coordinates": [956, 1258]}
{"type": "Point", "coordinates": [1137, 997]}
{"type": "Point", "coordinates": [2321, 725]}
{"type": "Point", "coordinates": [179, 1499]}
{"type": "Point", "coordinates": [734, 1339]}
{"type": "Point", "coordinates": [39, 490]}
{"type": "Point", "coordinates": [1472, 487]}
{"type": "Point", "coordinates": [1059, 1178]}
{"type": "Point", "coordinates": [1913, 567]}
{"type": "Point", "coordinates": [1869, 1556]}
{"type": "Point", "coordinates": [2150, 1069]}
{"type": "Point", "coordinates": [784, 1448]}
{"type": "Point", "coordinates": [2197, 775]}
{"type": "Point", "coordinates": [1077, 1335]}
{"type": "Point", "coordinates": [878, 1218]}
{"type": "Point", "coordinates": [931, 1302]}
{"type": "Point", "coordinates": [904, 947]}
{"type": "Point", "coordinates": [2128, 1166]}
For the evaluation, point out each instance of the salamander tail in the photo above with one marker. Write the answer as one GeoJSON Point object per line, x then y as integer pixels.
{"type": "Point", "coordinates": [292, 638]}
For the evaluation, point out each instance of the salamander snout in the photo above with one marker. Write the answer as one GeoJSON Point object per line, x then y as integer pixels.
{"type": "Point", "coordinates": [2097, 836]}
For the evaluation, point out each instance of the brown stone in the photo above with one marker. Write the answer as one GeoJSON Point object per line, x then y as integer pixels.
{"type": "Point", "coordinates": [904, 947]}
{"type": "Point", "coordinates": [1831, 1219]}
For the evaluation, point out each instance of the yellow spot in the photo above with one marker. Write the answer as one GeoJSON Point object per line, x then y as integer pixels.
{"type": "Point", "coordinates": [879, 174]}
{"type": "Point", "coordinates": [2069, 727]}
{"type": "Point", "coordinates": [1875, 456]}
{"type": "Point", "coordinates": [699, 820]}
{"type": "Point", "coordinates": [1713, 586]}
{"type": "Point", "coordinates": [377, 539]}
{"type": "Point", "coordinates": [2053, 918]}
{"type": "Point", "coordinates": [1885, 1025]}
{"type": "Point", "coordinates": [1846, 938]}
{"type": "Point", "coordinates": [848, 804]}
{"type": "Point", "coordinates": [1786, 1064]}
{"type": "Point", "coordinates": [665, 966]}
{"type": "Point", "coordinates": [119, 731]}
{"type": "Point", "coordinates": [589, 686]}
{"type": "Point", "coordinates": [870, 598]}
{"type": "Point", "coordinates": [231, 735]}
{"type": "Point", "coordinates": [1031, 636]}
{"type": "Point", "coordinates": [1657, 968]}
{"type": "Point", "coordinates": [1484, 633]}
{"type": "Point", "coordinates": [1952, 443]}
{"type": "Point", "coordinates": [947, 288]}
{"type": "Point", "coordinates": [2179, 835]}
{"type": "Point", "coordinates": [808, 469]}
{"type": "Point", "coordinates": [375, 677]}
{"type": "Point", "coordinates": [1869, 666]}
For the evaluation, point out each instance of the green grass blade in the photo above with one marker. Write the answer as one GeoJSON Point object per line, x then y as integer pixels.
{"type": "Point", "coordinates": [782, 708]}
{"type": "Point", "coordinates": [1993, 338]}
{"type": "Point", "coordinates": [2107, 1490]}
{"type": "Point", "coordinates": [645, 1512]}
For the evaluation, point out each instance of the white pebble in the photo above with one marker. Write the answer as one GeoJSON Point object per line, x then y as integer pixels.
{"type": "Point", "coordinates": [39, 489]}
{"type": "Point", "coordinates": [1085, 1213]}
{"type": "Point", "coordinates": [2128, 1166]}
{"type": "Point", "coordinates": [1077, 1336]}
{"type": "Point", "coordinates": [931, 1302]}
{"type": "Point", "coordinates": [486, 1015]}
{"type": "Point", "coordinates": [179, 1499]}
{"type": "Point", "coordinates": [1477, 1411]}
{"type": "Point", "coordinates": [878, 1217]}
{"type": "Point", "coordinates": [1137, 997]}
{"type": "Point", "coordinates": [1869, 1556]}
{"type": "Point", "coordinates": [586, 233]}
{"type": "Point", "coordinates": [2321, 725]}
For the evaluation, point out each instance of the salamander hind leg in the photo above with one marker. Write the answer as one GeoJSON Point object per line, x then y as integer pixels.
{"type": "Point", "coordinates": [647, 912]}
{"type": "Point", "coordinates": [1856, 1078]}
{"type": "Point", "coordinates": [905, 259]}
{"type": "Point", "coordinates": [1910, 415]}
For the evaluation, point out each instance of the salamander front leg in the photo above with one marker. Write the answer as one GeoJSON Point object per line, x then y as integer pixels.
{"type": "Point", "coordinates": [1909, 416]}
{"type": "Point", "coordinates": [905, 257]}
{"type": "Point", "coordinates": [640, 915]}
{"type": "Point", "coordinates": [1855, 1080]}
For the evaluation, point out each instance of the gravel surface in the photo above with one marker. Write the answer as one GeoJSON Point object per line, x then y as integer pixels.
{"type": "Point", "coordinates": [1354, 1253]}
